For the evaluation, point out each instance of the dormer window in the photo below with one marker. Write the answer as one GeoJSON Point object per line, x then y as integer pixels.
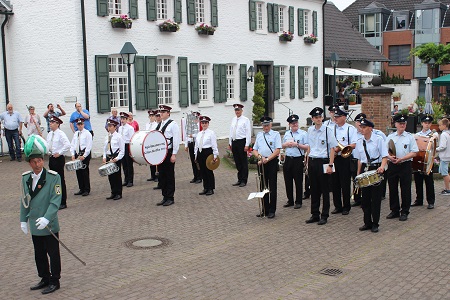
{"type": "Point", "coordinates": [401, 22]}
{"type": "Point", "coordinates": [370, 25]}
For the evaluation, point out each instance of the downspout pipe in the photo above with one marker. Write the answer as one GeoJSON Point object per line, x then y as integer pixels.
{"type": "Point", "coordinates": [85, 63]}
{"type": "Point", "coordinates": [323, 57]}
{"type": "Point", "coordinates": [5, 68]}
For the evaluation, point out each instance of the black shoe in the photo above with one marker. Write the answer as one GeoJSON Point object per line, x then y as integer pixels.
{"type": "Point", "coordinates": [203, 192]}
{"type": "Point", "coordinates": [193, 180]}
{"type": "Point", "coordinates": [19, 159]}
{"type": "Point", "coordinates": [288, 204]}
{"type": "Point", "coordinates": [42, 284]}
{"type": "Point", "coordinates": [198, 181]}
{"type": "Point", "coordinates": [124, 184]}
{"type": "Point", "coordinates": [85, 194]}
{"type": "Point", "coordinates": [365, 227]}
{"type": "Point", "coordinates": [374, 229]}
{"type": "Point", "coordinates": [242, 184]}
{"type": "Point", "coordinates": [12, 159]}
{"type": "Point", "coordinates": [50, 289]}
{"type": "Point", "coordinates": [297, 206]}
{"type": "Point", "coordinates": [345, 212]}
{"type": "Point", "coordinates": [236, 184]}
{"type": "Point", "coordinates": [62, 206]}
{"type": "Point", "coordinates": [417, 203]}
{"type": "Point", "coordinates": [322, 222]}
{"type": "Point", "coordinates": [393, 215]}
{"type": "Point", "coordinates": [78, 193]}
{"type": "Point", "coordinates": [168, 202]}
{"type": "Point", "coordinates": [156, 179]}
{"type": "Point", "coordinates": [209, 193]}
{"type": "Point", "coordinates": [162, 202]}
{"type": "Point", "coordinates": [110, 197]}
{"type": "Point", "coordinates": [150, 179]}
{"type": "Point", "coordinates": [130, 184]}
{"type": "Point", "coordinates": [117, 197]}
{"type": "Point", "coordinates": [383, 198]}
{"type": "Point", "coordinates": [356, 204]}
{"type": "Point", "coordinates": [305, 197]}
{"type": "Point", "coordinates": [336, 211]}
{"type": "Point", "coordinates": [312, 220]}
{"type": "Point", "coordinates": [403, 217]}
{"type": "Point", "coordinates": [271, 215]}
{"type": "Point", "coordinates": [157, 187]}
{"type": "Point", "coordinates": [430, 206]}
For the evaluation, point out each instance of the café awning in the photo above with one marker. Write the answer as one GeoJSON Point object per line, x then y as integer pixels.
{"type": "Point", "coordinates": [349, 72]}
{"type": "Point", "coordinates": [442, 81]}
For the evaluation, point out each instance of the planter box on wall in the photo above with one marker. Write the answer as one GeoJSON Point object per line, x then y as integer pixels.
{"type": "Point", "coordinates": [285, 39]}
{"type": "Point", "coordinates": [164, 29]}
{"type": "Point", "coordinates": [121, 25]}
{"type": "Point", "coordinates": [204, 32]}
{"type": "Point", "coordinates": [309, 42]}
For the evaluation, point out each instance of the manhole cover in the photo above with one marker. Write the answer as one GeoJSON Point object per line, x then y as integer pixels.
{"type": "Point", "coordinates": [147, 243]}
{"type": "Point", "coordinates": [331, 272]}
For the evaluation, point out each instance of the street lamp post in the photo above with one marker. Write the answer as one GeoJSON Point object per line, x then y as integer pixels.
{"type": "Point", "coordinates": [128, 54]}
{"type": "Point", "coordinates": [334, 58]}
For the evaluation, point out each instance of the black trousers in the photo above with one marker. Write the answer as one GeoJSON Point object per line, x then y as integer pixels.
{"type": "Point", "coordinates": [293, 173]}
{"type": "Point", "coordinates": [307, 186]}
{"type": "Point", "coordinates": [400, 173]}
{"type": "Point", "coordinates": [195, 170]}
{"type": "Point", "coordinates": [84, 182]}
{"type": "Point", "coordinates": [270, 176]}
{"type": "Point", "coordinates": [57, 165]}
{"type": "Point", "coordinates": [167, 177]}
{"type": "Point", "coordinates": [371, 202]}
{"type": "Point", "coordinates": [44, 247]}
{"type": "Point", "coordinates": [240, 159]}
{"type": "Point", "coordinates": [153, 172]}
{"type": "Point", "coordinates": [128, 167]}
{"type": "Point", "coordinates": [419, 178]}
{"type": "Point", "coordinates": [115, 180]}
{"type": "Point", "coordinates": [209, 182]}
{"type": "Point", "coordinates": [319, 187]}
{"type": "Point", "coordinates": [341, 180]}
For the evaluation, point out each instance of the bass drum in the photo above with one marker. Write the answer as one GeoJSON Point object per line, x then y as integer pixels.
{"type": "Point", "coordinates": [148, 147]}
{"type": "Point", "coordinates": [423, 161]}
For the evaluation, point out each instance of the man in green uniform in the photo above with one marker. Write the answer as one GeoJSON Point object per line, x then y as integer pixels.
{"type": "Point", "coordinates": [41, 199]}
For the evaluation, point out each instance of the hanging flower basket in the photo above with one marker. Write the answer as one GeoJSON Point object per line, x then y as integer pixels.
{"type": "Point", "coordinates": [286, 37]}
{"type": "Point", "coordinates": [121, 22]}
{"type": "Point", "coordinates": [205, 29]}
{"type": "Point", "coordinates": [169, 26]}
{"type": "Point", "coordinates": [204, 32]}
{"type": "Point", "coordinates": [310, 39]}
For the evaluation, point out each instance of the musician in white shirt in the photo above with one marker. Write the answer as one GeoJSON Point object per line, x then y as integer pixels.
{"type": "Point", "coordinates": [126, 131]}
{"type": "Point", "coordinates": [80, 148]}
{"type": "Point", "coordinates": [238, 142]}
{"type": "Point", "coordinates": [151, 125]}
{"type": "Point", "coordinates": [205, 145]}
{"type": "Point", "coordinates": [189, 145]}
{"type": "Point", "coordinates": [58, 144]}
{"type": "Point", "coordinates": [114, 151]}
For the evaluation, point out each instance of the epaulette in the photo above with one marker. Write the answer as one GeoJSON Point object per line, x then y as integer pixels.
{"type": "Point", "coordinates": [25, 173]}
{"type": "Point", "coordinates": [52, 172]}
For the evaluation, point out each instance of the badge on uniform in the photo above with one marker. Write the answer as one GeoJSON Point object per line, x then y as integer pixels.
{"type": "Point", "coordinates": [405, 146]}
{"type": "Point", "coordinates": [343, 138]}
{"type": "Point", "coordinates": [58, 189]}
{"type": "Point", "coordinates": [323, 142]}
{"type": "Point", "coordinates": [270, 143]}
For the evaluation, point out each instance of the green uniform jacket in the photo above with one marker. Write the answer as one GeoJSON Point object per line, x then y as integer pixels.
{"type": "Point", "coordinates": [45, 201]}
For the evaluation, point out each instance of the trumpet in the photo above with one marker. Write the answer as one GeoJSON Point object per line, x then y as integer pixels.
{"type": "Point", "coordinates": [346, 151]}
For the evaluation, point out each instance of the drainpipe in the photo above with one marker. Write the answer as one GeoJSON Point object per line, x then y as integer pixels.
{"type": "Point", "coordinates": [85, 63]}
{"type": "Point", "coordinates": [5, 69]}
{"type": "Point", "coordinates": [323, 57]}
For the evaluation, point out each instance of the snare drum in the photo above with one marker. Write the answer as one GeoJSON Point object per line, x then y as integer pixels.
{"type": "Point", "coordinates": [74, 165]}
{"type": "Point", "coordinates": [148, 147]}
{"type": "Point", "coordinates": [108, 169]}
{"type": "Point", "coordinates": [423, 161]}
{"type": "Point", "coordinates": [368, 178]}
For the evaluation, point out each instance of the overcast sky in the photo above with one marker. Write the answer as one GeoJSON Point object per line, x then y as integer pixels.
{"type": "Point", "coordinates": [342, 4]}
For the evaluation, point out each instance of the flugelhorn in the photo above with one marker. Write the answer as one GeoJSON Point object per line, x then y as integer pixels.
{"type": "Point", "coordinates": [346, 151]}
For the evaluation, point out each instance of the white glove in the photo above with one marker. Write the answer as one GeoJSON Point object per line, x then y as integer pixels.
{"type": "Point", "coordinates": [41, 223]}
{"type": "Point", "coordinates": [24, 227]}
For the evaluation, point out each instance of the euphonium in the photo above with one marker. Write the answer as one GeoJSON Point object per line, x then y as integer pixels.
{"type": "Point", "coordinates": [346, 151]}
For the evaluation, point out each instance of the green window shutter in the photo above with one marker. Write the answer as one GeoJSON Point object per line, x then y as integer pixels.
{"type": "Point", "coordinates": [314, 14]}
{"type": "Point", "coordinates": [316, 82]}
{"type": "Point", "coordinates": [220, 83]}
{"type": "Point", "coordinates": [291, 19]}
{"type": "Point", "coordinates": [252, 14]}
{"type": "Point", "coordinates": [134, 14]}
{"type": "Point", "coordinates": [292, 82]}
{"type": "Point", "coordinates": [301, 26]}
{"type": "Point", "coordinates": [276, 18]}
{"type": "Point", "coordinates": [190, 12]}
{"type": "Point", "coordinates": [214, 14]}
{"type": "Point", "coordinates": [194, 84]}
{"type": "Point", "coordinates": [216, 76]}
{"type": "Point", "coordinates": [243, 82]}
{"type": "Point", "coordinates": [152, 81]}
{"type": "Point", "coordinates": [223, 83]}
{"type": "Point", "coordinates": [151, 10]}
{"type": "Point", "coordinates": [102, 83]}
{"type": "Point", "coordinates": [276, 81]}
{"type": "Point", "coordinates": [178, 11]}
{"type": "Point", "coordinates": [139, 73]}
{"type": "Point", "coordinates": [269, 17]}
{"type": "Point", "coordinates": [183, 84]}
{"type": "Point", "coordinates": [301, 82]}
{"type": "Point", "coordinates": [102, 8]}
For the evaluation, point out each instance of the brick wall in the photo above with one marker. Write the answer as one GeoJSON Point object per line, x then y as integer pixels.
{"type": "Point", "coordinates": [377, 107]}
{"type": "Point", "coordinates": [393, 38]}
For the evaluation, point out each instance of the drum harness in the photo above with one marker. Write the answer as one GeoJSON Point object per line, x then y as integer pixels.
{"type": "Point", "coordinates": [163, 129]}
{"type": "Point", "coordinates": [112, 155]}
{"type": "Point", "coordinates": [369, 160]}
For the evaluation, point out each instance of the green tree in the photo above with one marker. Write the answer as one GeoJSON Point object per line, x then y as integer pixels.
{"type": "Point", "coordinates": [425, 52]}
{"type": "Point", "coordinates": [258, 100]}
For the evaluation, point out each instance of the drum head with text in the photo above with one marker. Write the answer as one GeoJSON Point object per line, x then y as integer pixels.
{"type": "Point", "coordinates": [154, 147]}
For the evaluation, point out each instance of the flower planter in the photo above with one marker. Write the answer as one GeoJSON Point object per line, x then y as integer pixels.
{"type": "Point", "coordinates": [166, 29]}
{"type": "Point", "coordinates": [435, 127]}
{"type": "Point", "coordinates": [285, 39]}
{"type": "Point", "coordinates": [309, 42]}
{"type": "Point", "coordinates": [121, 25]}
{"type": "Point", "coordinates": [396, 99]}
{"type": "Point", "coordinates": [205, 32]}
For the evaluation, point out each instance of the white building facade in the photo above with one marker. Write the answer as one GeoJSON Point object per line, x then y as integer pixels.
{"type": "Point", "coordinates": [47, 61]}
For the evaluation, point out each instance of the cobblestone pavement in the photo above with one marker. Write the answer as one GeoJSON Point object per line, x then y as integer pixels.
{"type": "Point", "coordinates": [218, 249]}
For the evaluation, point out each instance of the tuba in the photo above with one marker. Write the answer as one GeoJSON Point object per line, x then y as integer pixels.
{"type": "Point", "coordinates": [346, 151]}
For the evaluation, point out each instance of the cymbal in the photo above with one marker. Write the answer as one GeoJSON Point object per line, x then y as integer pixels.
{"type": "Point", "coordinates": [391, 149]}
{"type": "Point", "coordinates": [210, 164]}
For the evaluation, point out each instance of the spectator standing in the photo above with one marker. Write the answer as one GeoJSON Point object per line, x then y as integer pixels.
{"type": "Point", "coordinates": [114, 117]}
{"type": "Point", "coordinates": [13, 130]}
{"type": "Point", "coordinates": [52, 113]}
{"type": "Point", "coordinates": [133, 122]}
{"type": "Point", "coordinates": [81, 113]}
{"type": "Point", "coordinates": [444, 154]}
{"type": "Point", "coordinates": [33, 122]}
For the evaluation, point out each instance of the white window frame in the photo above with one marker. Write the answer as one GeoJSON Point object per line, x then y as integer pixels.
{"type": "Point", "coordinates": [306, 78]}
{"type": "Point", "coordinates": [283, 82]}
{"type": "Point", "coordinates": [165, 79]}
{"type": "Point", "coordinates": [282, 19]}
{"type": "Point", "coordinates": [115, 7]}
{"type": "Point", "coordinates": [261, 17]}
{"type": "Point", "coordinates": [231, 81]}
{"type": "Point", "coordinates": [118, 82]}
{"type": "Point", "coordinates": [203, 81]}
{"type": "Point", "coordinates": [306, 23]}
{"type": "Point", "coordinates": [163, 7]}
{"type": "Point", "coordinates": [202, 11]}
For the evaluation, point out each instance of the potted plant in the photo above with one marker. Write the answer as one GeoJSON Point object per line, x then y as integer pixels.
{"type": "Point", "coordinates": [397, 96]}
{"type": "Point", "coordinates": [310, 39]}
{"type": "Point", "coordinates": [352, 99]}
{"type": "Point", "coordinates": [286, 36]}
{"type": "Point", "coordinates": [258, 101]}
{"type": "Point", "coordinates": [205, 29]}
{"type": "Point", "coordinates": [121, 22]}
{"type": "Point", "coordinates": [438, 113]}
{"type": "Point", "coordinates": [169, 26]}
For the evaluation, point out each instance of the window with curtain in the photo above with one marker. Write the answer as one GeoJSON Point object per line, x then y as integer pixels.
{"type": "Point", "coordinates": [115, 7]}
{"type": "Point", "coordinates": [306, 22]}
{"type": "Point", "coordinates": [259, 16]}
{"type": "Point", "coordinates": [165, 86]}
{"type": "Point", "coordinates": [118, 82]}
{"type": "Point", "coordinates": [399, 55]}
{"type": "Point", "coordinates": [282, 81]}
{"type": "Point", "coordinates": [306, 80]}
{"type": "Point", "coordinates": [203, 82]}
{"type": "Point", "coordinates": [161, 9]}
